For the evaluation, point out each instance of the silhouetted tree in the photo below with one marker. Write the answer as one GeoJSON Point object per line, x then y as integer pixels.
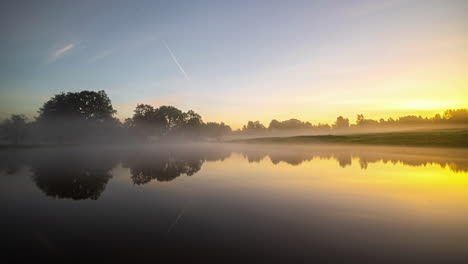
{"type": "Point", "coordinates": [456, 116]}
{"type": "Point", "coordinates": [173, 116]}
{"type": "Point", "coordinates": [363, 122]}
{"type": "Point", "coordinates": [88, 116]}
{"type": "Point", "coordinates": [77, 117]}
{"type": "Point", "coordinates": [411, 120]}
{"type": "Point", "coordinates": [164, 121]}
{"type": "Point", "coordinates": [14, 128]}
{"type": "Point", "coordinates": [216, 130]}
{"type": "Point", "coordinates": [341, 123]}
{"type": "Point", "coordinates": [192, 125]}
{"type": "Point", "coordinates": [253, 127]}
{"type": "Point", "coordinates": [147, 121]}
{"type": "Point", "coordinates": [291, 124]}
{"type": "Point", "coordinates": [274, 124]}
{"type": "Point", "coordinates": [192, 120]}
{"type": "Point", "coordinates": [85, 105]}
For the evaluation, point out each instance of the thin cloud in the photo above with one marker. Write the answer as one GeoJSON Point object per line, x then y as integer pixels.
{"type": "Point", "coordinates": [176, 62]}
{"type": "Point", "coordinates": [60, 52]}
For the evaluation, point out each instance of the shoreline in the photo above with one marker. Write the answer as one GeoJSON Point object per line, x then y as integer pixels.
{"type": "Point", "coordinates": [448, 138]}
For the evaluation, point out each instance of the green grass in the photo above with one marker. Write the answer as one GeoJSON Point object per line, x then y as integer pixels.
{"type": "Point", "coordinates": [441, 138]}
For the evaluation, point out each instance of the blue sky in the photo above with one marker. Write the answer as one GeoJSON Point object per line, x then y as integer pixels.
{"type": "Point", "coordinates": [235, 61]}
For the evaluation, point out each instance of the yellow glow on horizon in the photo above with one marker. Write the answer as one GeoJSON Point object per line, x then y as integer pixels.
{"type": "Point", "coordinates": [418, 104]}
{"type": "Point", "coordinates": [421, 86]}
{"type": "Point", "coordinates": [424, 77]}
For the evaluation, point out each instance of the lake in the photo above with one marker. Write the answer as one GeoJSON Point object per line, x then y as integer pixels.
{"type": "Point", "coordinates": [235, 203]}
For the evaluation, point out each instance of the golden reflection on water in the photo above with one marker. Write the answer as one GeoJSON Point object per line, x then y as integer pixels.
{"type": "Point", "coordinates": [424, 182]}
{"type": "Point", "coordinates": [428, 186]}
{"type": "Point", "coordinates": [404, 203]}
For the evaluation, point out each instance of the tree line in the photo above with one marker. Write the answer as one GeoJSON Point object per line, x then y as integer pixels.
{"type": "Point", "coordinates": [89, 117]}
{"type": "Point", "coordinates": [342, 124]}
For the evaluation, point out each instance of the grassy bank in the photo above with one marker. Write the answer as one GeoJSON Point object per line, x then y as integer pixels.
{"type": "Point", "coordinates": [441, 138]}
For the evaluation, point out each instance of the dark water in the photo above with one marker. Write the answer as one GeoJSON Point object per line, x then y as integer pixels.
{"type": "Point", "coordinates": [235, 203]}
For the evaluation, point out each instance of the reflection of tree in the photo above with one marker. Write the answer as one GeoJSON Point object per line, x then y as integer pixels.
{"type": "Point", "coordinates": [74, 175]}
{"type": "Point", "coordinates": [168, 163]}
{"type": "Point", "coordinates": [144, 171]}
{"type": "Point", "coordinates": [343, 159]}
{"type": "Point", "coordinates": [454, 159]}
{"type": "Point", "coordinates": [72, 182]}
{"type": "Point", "coordinates": [363, 163]}
{"type": "Point", "coordinates": [293, 159]}
{"type": "Point", "coordinates": [10, 162]}
{"type": "Point", "coordinates": [254, 157]}
{"type": "Point", "coordinates": [83, 173]}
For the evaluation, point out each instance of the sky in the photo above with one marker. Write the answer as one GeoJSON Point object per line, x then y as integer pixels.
{"type": "Point", "coordinates": [235, 61]}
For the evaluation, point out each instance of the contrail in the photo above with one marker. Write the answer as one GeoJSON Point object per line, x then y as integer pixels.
{"type": "Point", "coordinates": [176, 62]}
{"type": "Point", "coordinates": [176, 220]}
{"type": "Point", "coordinates": [179, 216]}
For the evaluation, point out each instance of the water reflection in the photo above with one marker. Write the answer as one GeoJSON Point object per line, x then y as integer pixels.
{"type": "Point", "coordinates": [168, 163]}
{"type": "Point", "coordinates": [263, 203]}
{"type": "Point", "coordinates": [72, 174]}
{"type": "Point", "coordinates": [454, 159]}
{"type": "Point", "coordinates": [83, 173]}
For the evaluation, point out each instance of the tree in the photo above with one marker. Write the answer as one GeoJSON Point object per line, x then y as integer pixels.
{"type": "Point", "coordinates": [173, 116]}
{"type": "Point", "coordinates": [274, 124]}
{"type": "Point", "coordinates": [410, 120]}
{"type": "Point", "coordinates": [456, 116]}
{"type": "Point", "coordinates": [147, 121]}
{"type": "Point", "coordinates": [191, 125]}
{"type": "Point", "coordinates": [77, 117]}
{"type": "Point", "coordinates": [216, 130]}
{"type": "Point", "coordinates": [192, 120]}
{"type": "Point", "coordinates": [14, 128]}
{"type": "Point", "coordinates": [290, 124]}
{"type": "Point", "coordinates": [85, 105]}
{"type": "Point", "coordinates": [341, 123]}
{"type": "Point", "coordinates": [163, 120]}
{"type": "Point", "coordinates": [361, 121]}
{"type": "Point", "coordinates": [254, 127]}
{"type": "Point", "coordinates": [143, 112]}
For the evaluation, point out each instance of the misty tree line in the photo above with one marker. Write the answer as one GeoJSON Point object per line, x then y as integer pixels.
{"type": "Point", "coordinates": [168, 121]}
{"type": "Point", "coordinates": [88, 116]}
{"type": "Point", "coordinates": [342, 124]}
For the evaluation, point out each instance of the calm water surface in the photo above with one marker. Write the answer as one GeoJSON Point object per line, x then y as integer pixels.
{"type": "Point", "coordinates": [235, 203]}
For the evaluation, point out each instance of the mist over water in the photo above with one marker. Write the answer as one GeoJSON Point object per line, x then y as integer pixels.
{"type": "Point", "coordinates": [234, 132]}
{"type": "Point", "coordinates": [236, 202]}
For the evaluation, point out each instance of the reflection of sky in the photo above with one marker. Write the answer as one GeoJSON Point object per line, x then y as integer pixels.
{"type": "Point", "coordinates": [239, 60]}
{"type": "Point", "coordinates": [414, 187]}
{"type": "Point", "coordinates": [293, 196]}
